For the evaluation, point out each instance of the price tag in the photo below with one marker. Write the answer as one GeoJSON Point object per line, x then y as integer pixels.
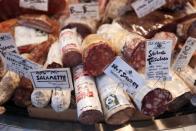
{"type": "Point", "coordinates": [18, 64]}
{"type": "Point", "coordinates": [121, 72]}
{"type": "Point", "coordinates": [144, 7]}
{"type": "Point", "coordinates": [7, 43]}
{"type": "Point", "coordinates": [35, 4]}
{"type": "Point", "coordinates": [52, 78]}
{"type": "Point", "coordinates": [185, 54]}
{"type": "Point", "coordinates": [29, 36]}
{"type": "Point", "coordinates": [158, 58]}
{"type": "Point", "coordinates": [84, 10]}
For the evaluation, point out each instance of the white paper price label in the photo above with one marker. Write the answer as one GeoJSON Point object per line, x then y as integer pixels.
{"type": "Point", "coordinates": [158, 58]}
{"type": "Point", "coordinates": [84, 10]}
{"type": "Point", "coordinates": [185, 54]}
{"type": "Point", "coordinates": [7, 43]}
{"type": "Point", "coordinates": [35, 4]}
{"type": "Point", "coordinates": [144, 7]}
{"type": "Point", "coordinates": [18, 64]}
{"type": "Point", "coordinates": [121, 72]}
{"type": "Point", "coordinates": [52, 78]}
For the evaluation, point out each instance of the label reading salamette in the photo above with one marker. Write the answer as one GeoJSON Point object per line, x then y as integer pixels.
{"type": "Point", "coordinates": [121, 72]}
{"type": "Point", "coordinates": [158, 58]}
{"type": "Point", "coordinates": [35, 4]}
{"type": "Point", "coordinates": [144, 7]}
{"type": "Point", "coordinates": [18, 64]}
{"type": "Point", "coordinates": [185, 54]}
{"type": "Point", "coordinates": [52, 78]}
{"type": "Point", "coordinates": [84, 10]}
{"type": "Point", "coordinates": [7, 43]}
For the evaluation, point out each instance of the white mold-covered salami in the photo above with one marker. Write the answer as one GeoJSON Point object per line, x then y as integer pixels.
{"type": "Point", "coordinates": [189, 77]}
{"type": "Point", "coordinates": [40, 98]}
{"type": "Point", "coordinates": [54, 57]}
{"type": "Point", "coordinates": [70, 47]}
{"type": "Point", "coordinates": [8, 85]}
{"type": "Point", "coordinates": [97, 54]}
{"type": "Point", "coordinates": [116, 105]}
{"type": "Point", "coordinates": [61, 100]}
{"type": "Point", "coordinates": [88, 104]}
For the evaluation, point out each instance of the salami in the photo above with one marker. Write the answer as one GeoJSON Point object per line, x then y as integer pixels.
{"type": "Point", "coordinates": [8, 85]}
{"type": "Point", "coordinates": [97, 54]}
{"type": "Point", "coordinates": [116, 105]}
{"type": "Point", "coordinates": [61, 100]}
{"type": "Point", "coordinates": [70, 47]}
{"type": "Point", "coordinates": [189, 77]}
{"type": "Point", "coordinates": [181, 93]}
{"type": "Point", "coordinates": [54, 57]}
{"type": "Point", "coordinates": [11, 8]}
{"type": "Point", "coordinates": [88, 105]}
{"type": "Point", "coordinates": [152, 102]}
{"type": "Point", "coordinates": [83, 26]}
{"type": "Point", "coordinates": [40, 98]}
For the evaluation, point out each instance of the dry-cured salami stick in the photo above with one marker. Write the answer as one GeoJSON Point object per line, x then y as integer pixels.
{"type": "Point", "coordinates": [117, 107]}
{"type": "Point", "coordinates": [97, 54]}
{"type": "Point", "coordinates": [88, 105]}
{"type": "Point", "coordinates": [70, 47]}
{"type": "Point", "coordinates": [8, 85]}
{"type": "Point", "coordinates": [40, 98]}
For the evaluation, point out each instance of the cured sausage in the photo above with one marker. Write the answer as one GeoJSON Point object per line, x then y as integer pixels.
{"type": "Point", "coordinates": [116, 105]}
{"type": "Point", "coordinates": [152, 102]}
{"type": "Point", "coordinates": [40, 98]}
{"type": "Point", "coordinates": [83, 26]}
{"type": "Point", "coordinates": [54, 57]}
{"type": "Point", "coordinates": [61, 100]}
{"type": "Point", "coordinates": [8, 85]}
{"type": "Point", "coordinates": [188, 75]}
{"type": "Point", "coordinates": [97, 54]}
{"type": "Point", "coordinates": [70, 47]}
{"type": "Point", "coordinates": [88, 105]}
{"type": "Point", "coordinates": [12, 9]}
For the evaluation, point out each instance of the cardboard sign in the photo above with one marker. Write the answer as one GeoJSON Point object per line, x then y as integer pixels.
{"type": "Point", "coordinates": [121, 72]}
{"type": "Point", "coordinates": [35, 4]}
{"type": "Point", "coordinates": [144, 7]}
{"type": "Point", "coordinates": [84, 10]}
{"type": "Point", "coordinates": [7, 43]}
{"type": "Point", "coordinates": [158, 58]}
{"type": "Point", "coordinates": [52, 78]}
{"type": "Point", "coordinates": [185, 54]}
{"type": "Point", "coordinates": [18, 64]}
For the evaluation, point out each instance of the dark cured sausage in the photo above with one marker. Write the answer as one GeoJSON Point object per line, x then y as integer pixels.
{"type": "Point", "coordinates": [97, 54]}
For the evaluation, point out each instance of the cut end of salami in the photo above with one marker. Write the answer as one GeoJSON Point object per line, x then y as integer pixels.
{"type": "Point", "coordinates": [72, 58]}
{"type": "Point", "coordinates": [98, 57]}
{"type": "Point", "coordinates": [121, 117]}
{"type": "Point", "coordinates": [91, 117]}
{"type": "Point", "coordinates": [156, 102]}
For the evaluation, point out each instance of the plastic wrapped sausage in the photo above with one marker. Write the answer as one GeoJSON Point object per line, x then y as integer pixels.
{"type": "Point", "coordinates": [88, 105]}
{"type": "Point", "coordinates": [40, 98]}
{"type": "Point", "coordinates": [97, 54]}
{"type": "Point", "coordinates": [116, 104]}
{"type": "Point", "coordinates": [70, 47]}
{"type": "Point", "coordinates": [61, 100]}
